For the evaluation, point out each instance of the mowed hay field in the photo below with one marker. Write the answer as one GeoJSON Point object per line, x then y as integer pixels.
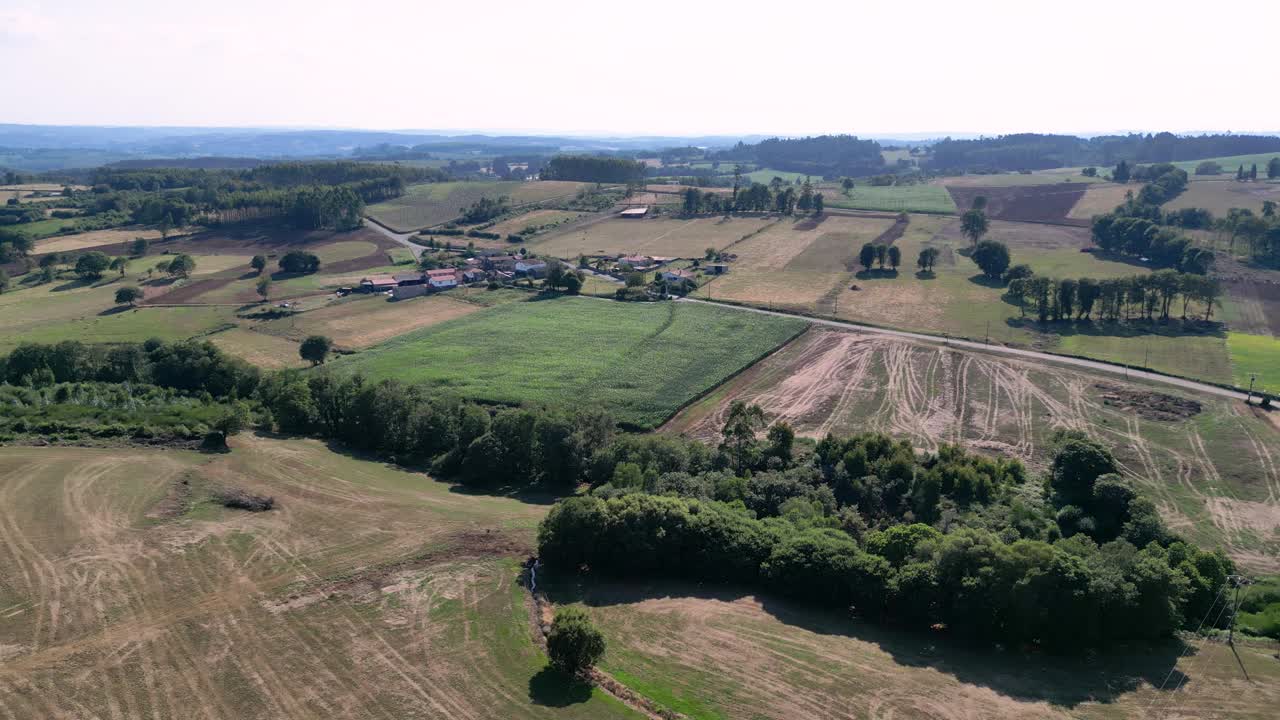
{"type": "Point", "coordinates": [369, 592]}
{"type": "Point", "coordinates": [431, 204]}
{"type": "Point", "coordinates": [1219, 196]}
{"type": "Point", "coordinates": [1039, 177]}
{"type": "Point", "coordinates": [1211, 464]}
{"type": "Point", "coordinates": [1101, 198]}
{"type": "Point", "coordinates": [641, 361]}
{"type": "Point", "coordinates": [94, 239]}
{"type": "Point", "coordinates": [660, 236]}
{"type": "Point", "coordinates": [796, 264]}
{"type": "Point", "coordinates": [714, 655]}
{"type": "Point", "coordinates": [365, 320]}
{"type": "Point", "coordinates": [921, 197]}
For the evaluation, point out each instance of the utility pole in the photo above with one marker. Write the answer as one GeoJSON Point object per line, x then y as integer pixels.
{"type": "Point", "coordinates": [1239, 581]}
{"type": "Point", "coordinates": [1249, 398]}
{"type": "Point", "coordinates": [987, 339]}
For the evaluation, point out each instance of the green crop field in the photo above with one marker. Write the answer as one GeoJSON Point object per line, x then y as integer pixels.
{"type": "Point", "coordinates": [640, 361]}
{"type": "Point", "coordinates": [1231, 163]}
{"type": "Point", "coordinates": [1256, 356]}
{"type": "Point", "coordinates": [431, 204]}
{"type": "Point", "coordinates": [921, 197]}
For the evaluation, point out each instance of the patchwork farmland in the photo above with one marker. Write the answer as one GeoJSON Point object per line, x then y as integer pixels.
{"type": "Point", "coordinates": [430, 204]}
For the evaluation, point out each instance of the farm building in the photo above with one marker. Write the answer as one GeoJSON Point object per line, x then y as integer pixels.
{"type": "Point", "coordinates": [474, 275]}
{"type": "Point", "coordinates": [442, 278]}
{"type": "Point", "coordinates": [531, 268]}
{"type": "Point", "coordinates": [405, 292]}
{"type": "Point", "coordinates": [378, 283]}
{"type": "Point", "coordinates": [634, 213]}
{"type": "Point", "coordinates": [409, 279]}
{"type": "Point", "coordinates": [715, 268]}
{"type": "Point", "coordinates": [677, 275]}
{"type": "Point", "coordinates": [638, 262]}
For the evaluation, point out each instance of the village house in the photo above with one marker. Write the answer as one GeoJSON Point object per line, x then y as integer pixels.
{"type": "Point", "coordinates": [678, 276]}
{"type": "Point", "coordinates": [639, 263]}
{"type": "Point", "coordinates": [531, 267]}
{"type": "Point", "coordinates": [473, 275]}
{"type": "Point", "coordinates": [442, 278]}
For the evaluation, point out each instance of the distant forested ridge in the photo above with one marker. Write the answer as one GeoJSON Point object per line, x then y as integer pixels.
{"type": "Point", "coordinates": [824, 156]}
{"type": "Point", "coordinates": [591, 168]}
{"type": "Point", "coordinates": [1030, 151]}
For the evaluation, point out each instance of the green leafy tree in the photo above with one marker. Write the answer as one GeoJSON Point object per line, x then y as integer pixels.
{"type": "Point", "coordinates": [819, 204]}
{"type": "Point", "coordinates": [315, 349]}
{"type": "Point", "coordinates": [973, 225]}
{"type": "Point", "coordinates": [740, 430]}
{"type": "Point", "coordinates": [635, 279]}
{"type": "Point", "coordinates": [867, 256]}
{"type": "Point", "coordinates": [574, 643]}
{"type": "Point", "coordinates": [882, 254]}
{"type": "Point", "coordinates": [298, 261]}
{"type": "Point", "coordinates": [120, 264]}
{"type": "Point", "coordinates": [264, 288]}
{"type": "Point", "coordinates": [979, 202]}
{"type": "Point", "coordinates": [1121, 173]}
{"type": "Point", "coordinates": [181, 265]}
{"type": "Point", "coordinates": [91, 265]}
{"type": "Point", "coordinates": [847, 185]}
{"type": "Point", "coordinates": [1273, 168]}
{"type": "Point", "coordinates": [4, 280]}
{"type": "Point", "coordinates": [258, 263]}
{"type": "Point", "coordinates": [895, 257]}
{"type": "Point", "coordinates": [992, 258]}
{"type": "Point", "coordinates": [139, 247]}
{"type": "Point", "coordinates": [1077, 464]}
{"type": "Point", "coordinates": [128, 295]}
{"type": "Point", "coordinates": [573, 283]}
{"type": "Point", "coordinates": [927, 259]}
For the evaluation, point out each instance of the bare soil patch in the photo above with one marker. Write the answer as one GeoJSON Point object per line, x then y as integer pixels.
{"type": "Point", "coordinates": [1030, 203]}
{"type": "Point", "coordinates": [1147, 403]}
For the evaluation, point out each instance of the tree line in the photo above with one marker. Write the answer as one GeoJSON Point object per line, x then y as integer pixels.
{"type": "Point", "coordinates": [1031, 151]}
{"type": "Point", "coordinates": [948, 539]}
{"type": "Point", "coordinates": [1151, 297]}
{"type": "Point", "coordinates": [592, 168]}
{"type": "Point", "coordinates": [757, 197]}
{"type": "Point", "coordinates": [827, 156]}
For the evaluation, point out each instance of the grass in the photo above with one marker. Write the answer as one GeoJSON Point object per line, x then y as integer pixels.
{"type": "Point", "coordinates": [1101, 198]}
{"type": "Point", "coordinates": [430, 204]}
{"type": "Point", "coordinates": [766, 175]}
{"type": "Point", "coordinates": [921, 197]}
{"type": "Point", "coordinates": [1231, 163]}
{"type": "Point", "coordinates": [370, 589]}
{"type": "Point", "coordinates": [639, 361]}
{"type": "Point", "coordinates": [364, 320]}
{"type": "Point", "coordinates": [1255, 355]}
{"type": "Point", "coordinates": [258, 348]}
{"type": "Point", "coordinates": [1013, 179]}
{"type": "Point", "coordinates": [1220, 196]}
{"type": "Point", "coordinates": [661, 236]}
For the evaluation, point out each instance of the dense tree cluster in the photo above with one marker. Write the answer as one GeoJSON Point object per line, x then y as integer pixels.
{"type": "Point", "coordinates": [1148, 297]}
{"type": "Point", "coordinates": [189, 366]}
{"type": "Point", "coordinates": [411, 423]}
{"type": "Point", "coordinates": [485, 209]}
{"type": "Point", "coordinates": [826, 156]}
{"type": "Point", "coordinates": [592, 168]}
{"type": "Point", "coordinates": [1029, 151]}
{"type": "Point", "coordinates": [1143, 238]}
{"type": "Point", "coordinates": [951, 539]}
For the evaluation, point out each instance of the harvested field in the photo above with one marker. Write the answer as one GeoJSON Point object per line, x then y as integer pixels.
{"type": "Point", "coordinates": [797, 263]}
{"type": "Point", "coordinates": [536, 218]}
{"type": "Point", "coordinates": [1101, 198]}
{"type": "Point", "coordinates": [1013, 179]}
{"type": "Point", "coordinates": [1219, 196]}
{"type": "Point", "coordinates": [1189, 459]}
{"type": "Point", "coordinates": [259, 348]}
{"type": "Point", "coordinates": [662, 236]}
{"type": "Point", "coordinates": [95, 239]}
{"type": "Point", "coordinates": [367, 592]}
{"type": "Point", "coordinates": [1253, 306]}
{"type": "Point", "coordinates": [1033, 203]}
{"type": "Point", "coordinates": [719, 654]}
{"type": "Point", "coordinates": [432, 204]}
{"type": "Point", "coordinates": [359, 322]}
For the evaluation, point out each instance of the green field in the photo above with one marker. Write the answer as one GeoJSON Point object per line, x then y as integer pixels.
{"type": "Point", "coordinates": [766, 175]}
{"type": "Point", "coordinates": [1231, 163]}
{"type": "Point", "coordinates": [431, 204]}
{"type": "Point", "coordinates": [640, 361]}
{"type": "Point", "coordinates": [1255, 355]}
{"type": "Point", "coordinates": [893, 198]}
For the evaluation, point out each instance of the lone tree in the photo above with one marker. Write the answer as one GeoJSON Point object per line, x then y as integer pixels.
{"type": "Point", "coordinates": [264, 288]}
{"type": "Point", "coordinates": [128, 295]}
{"type": "Point", "coordinates": [979, 202]}
{"type": "Point", "coordinates": [315, 349]}
{"type": "Point", "coordinates": [139, 247]}
{"type": "Point", "coordinates": [91, 265]}
{"type": "Point", "coordinates": [895, 257]}
{"type": "Point", "coordinates": [928, 258]}
{"type": "Point", "coordinates": [574, 643]}
{"type": "Point", "coordinates": [973, 225]}
{"type": "Point", "coordinates": [992, 257]}
{"type": "Point", "coordinates": [259, 263]}
{"type": "Point", "coordinates": [1121, 173]}
{"type": "Point", "coordinates": [1273, 168]}
{"type": "Point", "coordinates": [120, 264]}
{"type": "Point", "coordinates": [232, 422]}
{"type": "Point", "coordinates": [181, 265]}
{"type": "Point", "coordinates": [297, 261]}
{"type": "Point", "coordinates": [740, 430]}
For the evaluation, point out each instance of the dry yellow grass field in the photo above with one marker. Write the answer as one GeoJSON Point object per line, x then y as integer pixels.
{"type": "Point", "coordinates": [1219, 196]}
{"type": "Point", "coordinates": [667, 237]}
{"type": "Point", "coordinates": [95, 238]}
{"type": "Point", "coordinates": [368, 320]}
{"type": "Point", "coordinates": [1100, 198]}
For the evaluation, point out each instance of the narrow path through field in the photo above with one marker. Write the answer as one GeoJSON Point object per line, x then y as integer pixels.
{"type": "Point", "coordinates": [999, 349]}
{"type": "Point", "coordinates": [402, 238]}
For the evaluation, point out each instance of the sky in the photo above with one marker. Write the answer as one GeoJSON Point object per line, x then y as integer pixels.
{"type": "Point", "coordinates": [688, 67]}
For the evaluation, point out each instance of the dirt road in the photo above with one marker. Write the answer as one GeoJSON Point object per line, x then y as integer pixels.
{"type": "Point", "coordinates": [402, 238]}
{"type": "Point", "coordinates": [1003, 350]}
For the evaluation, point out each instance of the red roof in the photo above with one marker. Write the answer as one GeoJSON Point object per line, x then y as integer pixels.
{"type": "Point", "coordinates": [442, 272]}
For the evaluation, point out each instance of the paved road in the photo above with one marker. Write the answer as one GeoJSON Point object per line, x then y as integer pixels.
{"type": "Point", "coordinates": [1000, 349]}
{"type": "Point", "coordinates": [402, 238]}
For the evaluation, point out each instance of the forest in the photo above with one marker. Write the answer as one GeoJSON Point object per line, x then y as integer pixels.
{"type": "Point", "coordinates": [1031, 151]}
{"type": "Point", "coordinates": [592, 168]}
{"type": "Point", "coordinates": [826, 156]}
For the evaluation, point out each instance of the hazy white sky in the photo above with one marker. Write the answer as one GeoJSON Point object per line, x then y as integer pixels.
{"type": "Point", "coordinates": [656, 67]}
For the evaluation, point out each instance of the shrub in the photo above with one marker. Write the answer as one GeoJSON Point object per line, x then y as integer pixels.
{"type": "Point", "coordinates": [574, 643]}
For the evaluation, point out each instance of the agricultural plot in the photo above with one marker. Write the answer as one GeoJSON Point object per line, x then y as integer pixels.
{"type": "Point", "coordinates": [534, 219]}
{"type": "Point", "coordinates": [921, 197]}
{"type": "Point", "coordinates": [431, 204]}
{"type": "Point", "coordinates": [713, 655]}
{"type": "Point", "coordinates": [361, 321]}
{"type": "Point", "coordinates": [94, 239]}
{"type": "Point", "coordinates": [1255, 361]}
{"type": "Point", "coordinates": [1039, 177]}
{"type": "Point", "coordinates": [797, 264]}
{"type": "Point", "coordinates": [641, 361]}
{"type": "Point", "coordinates": [1100, 198]}
{"type": "Point", "coordinates": [1219, 196]}
{"type": "Point", "coordinates": [1208, 462]}
{"type": "Point", "coordinates": [369, 592]}
{"type": "Point", "coordinates": [258, 348]}
{"type": "Point", "coordinates": [766, 175]}
{"type": "Point", "coordinates": [661, 236]}
{"type": "Point", "coordinates": [1232, 162]}
{"type": "Point", "coordinates": [1031, 203]}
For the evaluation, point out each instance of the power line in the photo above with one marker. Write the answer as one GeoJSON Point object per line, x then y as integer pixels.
{"type": "Point", "coordinates": [1186, 675]}
{"type": "Point", "coordinates": [1187, 650]}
